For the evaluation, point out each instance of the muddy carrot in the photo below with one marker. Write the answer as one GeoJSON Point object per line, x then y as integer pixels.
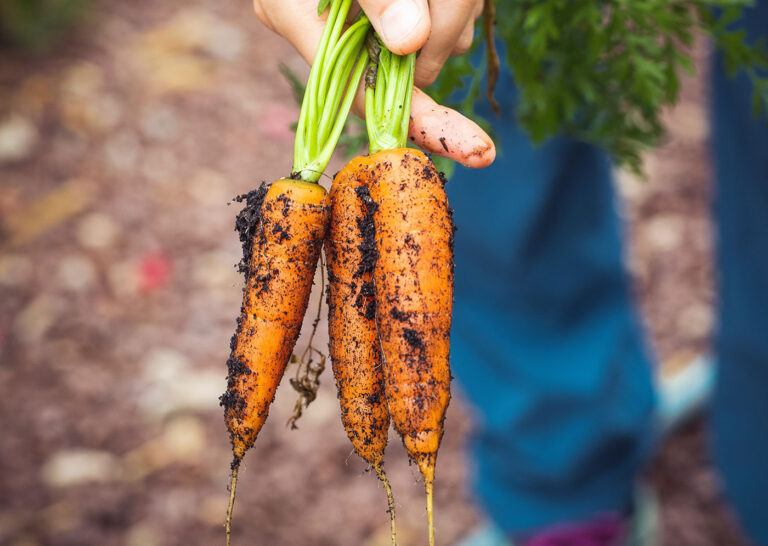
{"type": "Point", "coordinates": [354, 344]}
{"type": "Point", "coordinates": [284, 227]}
{"type": "Point", "coordinates": [282, 230]}
{"type": "Point", "coordinates": [414, 296]}
{"type": "Point", "coordinates": [413, 275]}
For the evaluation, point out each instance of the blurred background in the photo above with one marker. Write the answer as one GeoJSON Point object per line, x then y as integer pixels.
{"type": "Point", "coordinates": [125, 130]}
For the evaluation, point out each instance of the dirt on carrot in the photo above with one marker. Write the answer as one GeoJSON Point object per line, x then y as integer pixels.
{"type": "Point", "coordinates": [413, 280]}
{"type": "Point", "coordinates": [282, 230]}
{"type": "Point", "coordinates": [354, 343]}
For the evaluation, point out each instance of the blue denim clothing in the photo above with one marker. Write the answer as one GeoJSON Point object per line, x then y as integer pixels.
{"type": "Point", "coordinates": [546, 342]}
{"type": "Point", "coordinates": [741, 212]}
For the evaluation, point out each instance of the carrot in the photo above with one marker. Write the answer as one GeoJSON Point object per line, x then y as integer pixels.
{"type": "Point", "coordinates": [288, 232]}
{"type": "Point", "coordinates": [413, 280]}
{"type": "Point", "coordinates": [282, 229]}
{"type": "Point", "coordinates": [413, 275]}
{"type": "Point", "coordinates": [354, 344]}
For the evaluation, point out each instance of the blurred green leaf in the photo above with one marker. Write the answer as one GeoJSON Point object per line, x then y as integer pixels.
{"type": "Point", "coordinates": [602, 71]}
{"type": "Point", "coordinates": [444, 165]}
{"type": "Point", "coordinates": [354, 139]}
{"type": "Point", "coordinates": [37, 24]}
{"type": "Point", "coordinates": [297, 86]}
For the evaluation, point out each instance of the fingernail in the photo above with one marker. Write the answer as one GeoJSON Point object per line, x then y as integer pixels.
{"type": "Point", "coordinates": [398, 22]}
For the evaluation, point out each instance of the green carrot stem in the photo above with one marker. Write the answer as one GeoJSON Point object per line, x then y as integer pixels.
{"type": "Point", "coordinates": [312, 170]}
{"type": "Point", "coordinates": [408, 97]}
{"type": "Point", "coordinates": [338, 25]}
{"type": "Point", "coordinates": [338, 10]}
{"type": "Point", "coordinates": [334, 95]}
{"type": "Point", "coordinates": [393, 72]}
{"type": "Point", "coordinates": [333, 80]}
{"type": "Point", "coordinates": [388, 100]}
{"type": "Point", "coordinates": [351, 36]}
{"type": "Point", "coordinates": [350, 45]}
{"type": "Point", "coordinates": [300, 148]}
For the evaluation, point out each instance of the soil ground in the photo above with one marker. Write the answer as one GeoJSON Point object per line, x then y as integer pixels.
{"type": "Point", "coordinates": [119, 153]}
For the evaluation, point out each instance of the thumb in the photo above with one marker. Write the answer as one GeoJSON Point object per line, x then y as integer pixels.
{"type": "Point", "coordinates": [403, 25]}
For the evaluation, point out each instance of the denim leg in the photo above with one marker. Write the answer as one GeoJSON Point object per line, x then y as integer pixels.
{"type": "Point", "coordinates": [741, 397]}
{"type": "Point", "coordinates": [546, 345]}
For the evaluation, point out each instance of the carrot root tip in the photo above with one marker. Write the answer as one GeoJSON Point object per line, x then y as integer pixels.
{"type": "Point", "coordinates": [230, 508]}
{"type": "Point", "coordinates": [390, 501]}
{"type": "Point", "coordinates": [430, 514]}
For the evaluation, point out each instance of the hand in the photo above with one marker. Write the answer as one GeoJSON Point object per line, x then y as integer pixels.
{"type": "Point", "coordinates": [442, 30]}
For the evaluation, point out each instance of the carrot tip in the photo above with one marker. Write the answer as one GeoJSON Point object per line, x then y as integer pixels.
{"type": "Point", "coordinates": [390, 501]}
{"type": "Point", "coordinates": [230, 508]}
{"type": "Point", "coordinates": [430, 514]}
{"type": "Point", "coordinates": [426, 464]}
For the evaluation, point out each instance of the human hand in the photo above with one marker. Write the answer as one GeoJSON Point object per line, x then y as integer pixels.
{"type": "Point", "coordinates": [441, 29]}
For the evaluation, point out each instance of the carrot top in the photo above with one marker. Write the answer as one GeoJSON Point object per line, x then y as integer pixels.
{"type": "Point", "coordinates": [388, 93]}
{"type": "Point", "coordinates": [336, 72]}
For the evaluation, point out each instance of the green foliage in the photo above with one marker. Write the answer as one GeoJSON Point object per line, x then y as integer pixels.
{"type": "Point", "coordinates": [297, 86]}
{"type": "Point", "coordinates": [37, 24]}
{"type": "Point", "coordinates": [739, 55]}
{"type": "Point", "coordinates": [602, 70]}
{"type": "Point", "coordinates": [354, 139]}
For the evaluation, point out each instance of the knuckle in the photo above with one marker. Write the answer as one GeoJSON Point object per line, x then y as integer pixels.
{"type": "Point", "coordinates": [425, 80]}
{"type": "Point", "coordinates": [463, 44]}
{"type": "Point", "coordinates": [459, 50]}
{"type": "Point", "coordinates": [466, 6]}
{"type": "Point", "coordinates": [464, 41]}
{"type": "Point", "coordinates": [426, 73]}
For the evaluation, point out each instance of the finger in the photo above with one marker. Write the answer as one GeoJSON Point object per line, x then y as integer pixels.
{"type": "Point", "coordinates": [403, 25]}
{"type": "Point", "coordinates": [300, 25]}
{"type": "Point", "coordinates": [465, 40]}
{"type": "Point", "coordinates": [447, 133]}
{"type": "Point", "coordinates": [303, 29]}
{"type": "Point", "coordinates": [261, 14]}
{"type": "Point", "coordinates": [449, 21]}
{"type": "Point", "coordinates": [358, 105]}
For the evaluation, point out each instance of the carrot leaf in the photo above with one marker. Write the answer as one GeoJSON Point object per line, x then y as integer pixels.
{"type": "Point", "coordinates": [334, 77]}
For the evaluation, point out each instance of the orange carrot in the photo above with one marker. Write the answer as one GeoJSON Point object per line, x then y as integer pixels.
{"type": "Point", "coordinates": [413, 280]}
{"type": "Point", "coordinates": [354, 344]}
{"type": "Point", "coordinates": [289, 232]}
{"type": "Point", "coordinates": [282, 229]}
